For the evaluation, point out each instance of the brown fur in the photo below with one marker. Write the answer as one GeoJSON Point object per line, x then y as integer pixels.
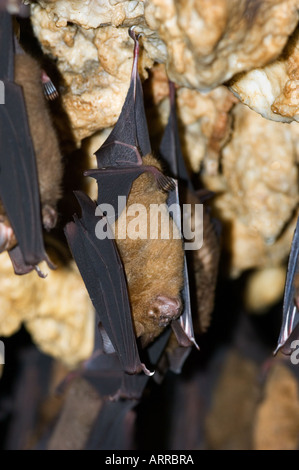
{"type": "Point", "coordinates": [205, 267]}
{"type": "Point", "coordinates": [48, 157]}
{"type": "Point", "coordinates": [154, 268]}
{"type": "Point", "coordinates": [203, 264]}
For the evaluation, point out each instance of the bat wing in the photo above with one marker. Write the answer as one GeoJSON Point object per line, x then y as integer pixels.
{"type": "Point", "coordinates": [116, 182]}
{"type": "Point", "coordinates": [19, 190]}
{"type": "Point", "coordinates": [170, 152]}
{"type": "Point", "coordinates": [183, 326]}
{"type": "Point", "coordinates": [109, 429]}
{"type": "Point", "coordinates": [119, 158]}
{"type": "Point", "coordinates": [102, 271]}
{"type": "Point", "coordinates": [129, 139]}
{"type": "Point", "coordinates": [170, 148]}
{"type": "Point", "coordinates": [113, 183]}
{"type": "Point", "coordinates": [290, 317]}
{"type": "Point", "coordinates": [103, 369]}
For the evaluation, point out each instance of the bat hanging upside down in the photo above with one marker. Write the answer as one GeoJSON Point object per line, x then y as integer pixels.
{"type": "Point", "coordinates": [31, 142]}
{"type": "Point", "coordinates": [135, 283]}
{"type": "Point", "coordinates": [154, 267]}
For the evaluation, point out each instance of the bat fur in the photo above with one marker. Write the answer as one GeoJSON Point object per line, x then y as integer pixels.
{"type": "Point", "coordinates": [48, 157]}
{"type": "Point", "coordinates": [154, 267]}
{"type": "Point", "coordinates": [204, 263]}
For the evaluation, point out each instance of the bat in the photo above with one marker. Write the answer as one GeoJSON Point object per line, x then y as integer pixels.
{"type": "Point", "coordinates": [104, 276]}
{"type": "Point", "coordinates": [290, 316]}
{"type": "Point", "coordinates": [170, 151]}
{"type": "Point", "coordinates": [101, 268]}
{"type": "Point", "coordinates": [126, 168]}
{"type": "Point", "coordinates": [19, 190]}
{"type": "Point", "coordinates": [30, 76]}
{"type": "Point", "coordinates": [108, 431]}
{"type": "Point", "coordinates": [202, 264]}
{"type": "Point", "coordinates": [119, 159]}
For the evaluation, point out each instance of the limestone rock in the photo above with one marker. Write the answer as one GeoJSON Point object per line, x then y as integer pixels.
{"type": "Point", "coordinates": [203, 44]}
{"type": "Point", "coordinates": [56, 310]}
{"type": "Point", "coordinates": [273, 90]}
{"type": "Point", "coordinates": [277, 420]}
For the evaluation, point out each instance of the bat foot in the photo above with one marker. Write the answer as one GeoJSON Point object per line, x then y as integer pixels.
{"type": "Point", "coordinates": [164, 309]}
{"type": "Point", "coordinates": [49, 217]}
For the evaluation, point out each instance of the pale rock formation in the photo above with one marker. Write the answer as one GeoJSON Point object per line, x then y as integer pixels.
{"type": "Point", "coordinates": [203, 44]}
{"type": "Point", "coordinates": [56, 310]}
{"type": "Point", "coordinates": [273, 90]}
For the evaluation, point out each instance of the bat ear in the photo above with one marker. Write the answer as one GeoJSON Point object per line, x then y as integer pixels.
{"type": "Point", "coordinates": [139, 328]}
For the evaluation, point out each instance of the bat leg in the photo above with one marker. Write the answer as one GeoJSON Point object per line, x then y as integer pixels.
{"type": "Point", "coordinates": [7, 237]}
{"type": "Point", "coordinates": [49, 217]}
{"type": "Point", "coordinates": [164, 309]}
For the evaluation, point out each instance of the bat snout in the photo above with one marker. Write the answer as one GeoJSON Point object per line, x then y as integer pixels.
{"type": "Point", "coordinates": [165, 309]}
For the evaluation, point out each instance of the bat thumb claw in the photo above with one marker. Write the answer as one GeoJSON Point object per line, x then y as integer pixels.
{"type": "Point", "coordinates": [49, 263]}
{"type": "Point", "coordinates": [146, 371]}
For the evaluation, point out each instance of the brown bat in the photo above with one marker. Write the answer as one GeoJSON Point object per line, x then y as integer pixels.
{"type": "Point", "coordinates": [139, 287]}
{"type": "Point", "coordinates": [202, 263]}
{"type": "Point", "coordinates": [154, 268]}
{"type": "Point", "coordinates": [28, 74]}
{"type": "Point", "coordinates": [23, 74]}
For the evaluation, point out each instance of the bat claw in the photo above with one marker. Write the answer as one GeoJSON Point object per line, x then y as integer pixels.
{"type": "Point", "coordinates": [146, 371]}
{"type": "Point", "coordinates": [132, 33]}
{"type": "Point", "coordinates": [39, 272]}
{"type": "Point", "coordinates": [49, 88]}
{"type": "Point", "coordinates": [165, 183]}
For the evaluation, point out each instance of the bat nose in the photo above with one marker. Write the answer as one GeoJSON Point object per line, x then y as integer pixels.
{"type": "Point", "coordinates": [169, 307]}
{"type": "Point", "coordinates": [165, 309]}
